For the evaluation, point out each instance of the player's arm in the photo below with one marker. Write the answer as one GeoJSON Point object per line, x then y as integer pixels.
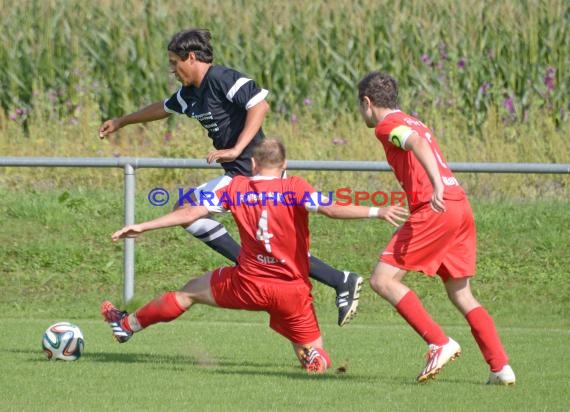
{"type": "Point", "coordinates": [253, 122]}
{"type": "Point", "coordinates": [423, 152]}
{"type": "Point", "coordinates": [184, 215]}
{"type": "Point", "coordinates": [154, 111]}
{"type": "Point", "coordinates": [394, 215]}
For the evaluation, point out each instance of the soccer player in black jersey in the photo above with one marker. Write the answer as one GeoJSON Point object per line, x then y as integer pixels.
{"type": "Point", "coordinates": [231, 107]}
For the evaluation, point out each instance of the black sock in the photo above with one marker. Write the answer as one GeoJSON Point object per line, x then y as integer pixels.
{"type": "Point", "coordinates": [326, 274]}
{"type": "Point", "coordinates": [226, 246]}
{"type": "Point", "coordinates": [215, 235]}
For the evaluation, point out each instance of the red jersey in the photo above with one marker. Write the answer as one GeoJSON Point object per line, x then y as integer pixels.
{"type": "Point", "coordinates": [273, 224]}
{"type": "Point", "coordinates": [393, 131]}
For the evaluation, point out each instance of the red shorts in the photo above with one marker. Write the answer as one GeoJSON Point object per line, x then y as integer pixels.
{"type": "Point", "coordinates": [289, 303]}
{"type": "Point", "coordinates": [436, 243]}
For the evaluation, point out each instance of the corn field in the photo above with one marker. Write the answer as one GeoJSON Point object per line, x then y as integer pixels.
{"type": "Point", "coordinates": [466, 58]}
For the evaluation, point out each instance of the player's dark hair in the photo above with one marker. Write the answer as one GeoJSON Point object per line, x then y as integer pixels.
{"type": "Point", "coordinates": [380, 88]}
{"type": "Point", "coordinates": [269, 153]}
{"type": "Point", "coordinates": [196, 41]}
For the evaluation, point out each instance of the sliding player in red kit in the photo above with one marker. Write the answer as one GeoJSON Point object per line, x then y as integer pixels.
{"type": "Point", "coordinates": [272, 269]}
{"type": "Point", "coordinates": [438, 238]}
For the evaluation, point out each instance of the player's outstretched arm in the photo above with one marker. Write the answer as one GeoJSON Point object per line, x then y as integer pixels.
{"type": "Point", "coordinates": [154, 111]}
{"type": "Point", "coordinates": [395, 215]}
{"type": "Point", "coordinates": [185, 215]}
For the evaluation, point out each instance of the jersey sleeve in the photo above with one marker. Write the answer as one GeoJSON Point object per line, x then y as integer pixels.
{"type": "Point", "coordinates": [306, 195]}
{"type": "Point", "coordinates": [240, 89]}
{"type": "Point", "coordinates": [175, 103]}
{"type": "Point", "coordinates": [396, 133]}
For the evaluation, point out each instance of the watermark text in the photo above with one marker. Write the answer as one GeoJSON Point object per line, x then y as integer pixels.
{"type": "Point", "coordinates": [341, 197]}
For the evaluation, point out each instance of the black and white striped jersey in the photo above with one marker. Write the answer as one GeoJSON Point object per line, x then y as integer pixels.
{"type": "Point", "coordinates": [220, 105]}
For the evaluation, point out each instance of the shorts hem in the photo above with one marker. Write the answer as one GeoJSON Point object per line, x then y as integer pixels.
{"type": "Point", "coordinates": [405, 267]}
{"type": "Point", "coordinates": [419, 269]}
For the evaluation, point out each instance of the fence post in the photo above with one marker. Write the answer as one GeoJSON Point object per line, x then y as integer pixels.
{"type": "Point", "coordinates": [129, 251]}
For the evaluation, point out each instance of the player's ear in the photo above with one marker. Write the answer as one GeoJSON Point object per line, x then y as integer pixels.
{"type": "Point", "coordinates": [191, 57]}
{"type": "Point", "coordinates": [253, 166]}
{"type": "Point", "coordinates": [365, 103]}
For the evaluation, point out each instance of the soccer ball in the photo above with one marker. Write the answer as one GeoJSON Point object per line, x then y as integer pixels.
{"type": "Point", "coordinates": [64, 341]}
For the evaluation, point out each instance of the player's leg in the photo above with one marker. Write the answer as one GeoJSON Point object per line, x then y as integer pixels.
{"type": "Point", "coordinates": [292, 315]}
{"type": "Point", "coordinates": [387, 282]}
{"type": "Point", "coordinates": [461, 259]}
{"type": "Point", "coordinates": [346, 284]}
{"type": "Point", "coordinates": [165, 308]}
{"type": "Point", "coordinates": [215, 236]}
{"type": "Point", "coordinates": [206, 229]}
{"type": "Point", "coordinates": [483, 330]}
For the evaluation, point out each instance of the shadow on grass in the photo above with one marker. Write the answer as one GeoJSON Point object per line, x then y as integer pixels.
{"type": "Point", "coordinates": [197, 358]}
{"type": "Point", "coordinates": [231, 367]}
{"type": "Point", "coordinates": [215, 365]}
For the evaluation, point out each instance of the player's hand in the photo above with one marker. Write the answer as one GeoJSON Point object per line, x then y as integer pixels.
{"type": "Point", "coordinates": [395, 215]}
{"type": "Point", "coordinates": [127, 231]}
{"type": "Point", "coordinates": [110, 126]}
{"type": "Point", "coordinates": [436, 202]}
{"type": "Point", "coordinates": [222, 156]}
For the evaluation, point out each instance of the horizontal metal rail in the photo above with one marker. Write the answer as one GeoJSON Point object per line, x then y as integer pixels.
{"type": "Point", "coordinates": [130, 164]}
{"type": "Point", "coordinates": [347, 165]}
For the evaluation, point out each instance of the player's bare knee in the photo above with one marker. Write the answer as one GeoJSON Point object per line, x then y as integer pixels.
{"type": "Point", "coordinates": [181, 206]}
{"type": "Point", "coordinates": [185, 202]}
{"type": "Point", "coordinates": [379, 285]}
{"type": "Point", "coordinates": [463, 299]}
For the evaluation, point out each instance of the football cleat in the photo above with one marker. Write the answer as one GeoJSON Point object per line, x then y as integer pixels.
{"type": "Point", "coordinates": [315, 361]}
{"type": "Point", "coordinates": [437, 357]}
{"type": "Point", "coordinates": [114, 317]}
{"type": "Point", "coordinates": [505, 376]}
{"type": "Point", "coordinates": [347, 300]}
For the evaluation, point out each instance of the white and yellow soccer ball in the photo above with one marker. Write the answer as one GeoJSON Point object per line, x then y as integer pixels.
{"type": "Point", "coordinates": [63, 341]}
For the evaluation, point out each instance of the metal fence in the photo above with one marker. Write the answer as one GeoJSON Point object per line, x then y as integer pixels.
{"type": "Point", "coordinates": [130, 164]}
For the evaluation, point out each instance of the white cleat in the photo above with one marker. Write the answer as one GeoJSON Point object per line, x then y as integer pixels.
{"type": "Point", "coordinates": [437, 358]}
{"type": "Point", "coordinates": [505, 376]}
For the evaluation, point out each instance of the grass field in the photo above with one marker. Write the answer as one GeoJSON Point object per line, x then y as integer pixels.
{"type": "Point", "coordinates": [240, 365]}
{"type": "Point", "coordinates": [57, 263]}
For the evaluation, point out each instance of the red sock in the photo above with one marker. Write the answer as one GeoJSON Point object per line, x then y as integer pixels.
{"type": "Point", "coordinates": [485, 333]}
{"type": "Point", "coordinates": [162, 309]}
{"type": "Point", "coordinates": [415, 314]}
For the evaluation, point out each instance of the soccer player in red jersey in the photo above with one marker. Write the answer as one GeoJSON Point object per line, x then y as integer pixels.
{"type": "Point", "coordinates": [271, 274]}
{"type": "Point", "coordinates": [438, 238]}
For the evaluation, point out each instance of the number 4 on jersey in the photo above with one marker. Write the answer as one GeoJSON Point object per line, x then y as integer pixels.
{"type": "Point", "coordinates": [263, 231]}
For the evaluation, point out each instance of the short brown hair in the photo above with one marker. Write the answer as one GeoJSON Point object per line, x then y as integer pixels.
{"type": "Point", "coordinates": [380, 88]}
{"type": "Point", "coordinates": [196, 41]}
{"type": "Point", "coordinates": [269, 153]}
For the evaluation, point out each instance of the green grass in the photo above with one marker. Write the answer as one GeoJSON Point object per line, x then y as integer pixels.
{"type": "Point", "coordinates": [240, 365]}
{"type": "Point", "coordinates": [57, 263]}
